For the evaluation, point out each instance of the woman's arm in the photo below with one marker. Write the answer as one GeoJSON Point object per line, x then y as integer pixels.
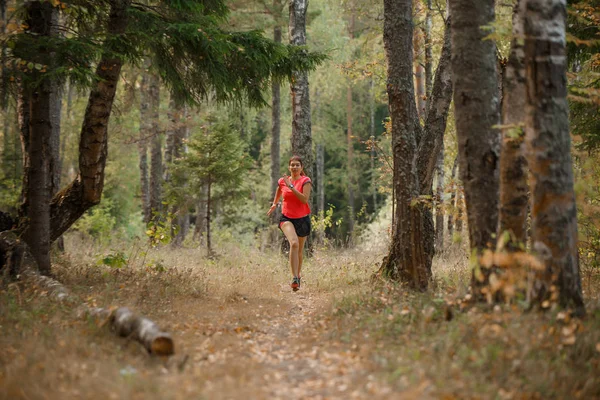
{"type": "Point", "coordinates": [275, 200]}
{"type": "Point", "coordinates": [305, 194]}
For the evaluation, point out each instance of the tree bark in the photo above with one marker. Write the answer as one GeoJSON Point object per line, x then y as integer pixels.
{"type": "Point", "coordinates": [86, 190]}
{"type": "Point", "coordinates": [275, 129]}
{"type": "Point", "coordinates": [41, 18]}
{"type": "Point", "coordinates": [513, 164]}
{"type": "Point", "coordinates": [554, 213]}
{"type": "Point", "coordinates": [321, 186]}
{"type": "Point", "coordinates": [174, 150]}
{"type": "Point", "coordinates": [200, 224]}
{"type": "Point", "coordinates": [156, 160]}
{"type": "Point", "coordinates": [350, 164]}
{"type": "Point", "coordinates": [432, 140]}
{"type": "Point", "coordinates": [145, 128]}
{"type": "Point", "coordinates": [372, 138]}
{"type": "Point", "coordinates": [428, 50]}
{"type": "Point", "coordinates": [476, 102]}
{"type": "Point", "coordinates": [406, 260]}
{"type": "Point", "coordinates": [452, 199]}
{"type": "Point", "coordinates": [439, 210]}
{"type": "Point", "coordinates": [209, 251]}
{"type": "Point", "coordinates": [419, 69]}
{"type": "Point", "coordinates": [301, 120]}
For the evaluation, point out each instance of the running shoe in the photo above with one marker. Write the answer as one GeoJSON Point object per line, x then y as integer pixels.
{"type": "Point", "coordinates": [295, 284]}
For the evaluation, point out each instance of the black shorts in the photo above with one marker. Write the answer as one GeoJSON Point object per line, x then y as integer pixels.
{"type": "Point", "coordinates": [302, 225]}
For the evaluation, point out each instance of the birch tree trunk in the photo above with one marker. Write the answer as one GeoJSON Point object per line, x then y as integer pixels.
{"type": "Point", "coordinates": [406, 260]}
{"type": "Point", "coordinates": [301, 120]}
{"type": "Point", "coordinates": [554, 213]}
{"type": "Point", "coordinates": [476, 100]}
{"type": "Point", "coordinates": [513, 164]}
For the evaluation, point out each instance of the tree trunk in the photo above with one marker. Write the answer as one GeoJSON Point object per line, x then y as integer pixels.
{"type": "Point", "coordinates": [419, 69]}
{"type": "Point", "coordinates": [476, 109]}
{"type": "Point", "coordinates": [372, 138]}
{"type": "Point", "coordinates": [23, 112]}
{"type": "Point", "coordinates": [209, 252]}
{"type": "Point", "coordinates": [86, 190]}
{"type": "Point", "coordinates": [553, 213]}
{"type": "Point", "coordinates": [200, 224]}
{"type": "Point", "coordinates": [432, 140]}
{"type": "Point", "coordinates": [275, 130]}
{"type": "Point", "coordinates": [42, 16]}
{"type": "Point", "coordinates": [321, 187]}
{"type": "Point", "coordinates": [175, 148]}
{"type": "Point", "coordinates": [428, 50]}
{"type": "Point", "coordinates": [182, 134]}
{"type": "Point", "coordinates": [439, 210]}
{"type": "Point", "coordinates": [452, 199]}
{"type": "Point", "coordinates": [513, 164]}
{"type": "Point", "coordinates": [301, 120]}
{"type": "Point", "coordinates": [6, 158]}
{"type": "Point", "coordinates": [350, 164]}
{"type": "Point", "coordinates": [145, 128]}
{"type": "Point", "coordinates": [156, 161]}
{"type": "Point", "coordinates": [406, 260]}
{"type": "Point", "coordinates": [460, 206]}
{"type": "Point", "coordinates": [349, 141]}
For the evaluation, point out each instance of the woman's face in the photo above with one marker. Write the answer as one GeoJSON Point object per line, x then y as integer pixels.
{"type": "Point", "coordinates": [295, 167]}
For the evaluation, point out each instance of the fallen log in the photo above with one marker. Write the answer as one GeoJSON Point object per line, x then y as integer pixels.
{"type": "Point", "coordinates": [16, 256]}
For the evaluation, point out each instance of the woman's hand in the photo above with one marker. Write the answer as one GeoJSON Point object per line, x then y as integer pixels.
{"type": "Point", "coordinates": [287, 180]}
{"type": "Point", "coordinates": [273, 207]}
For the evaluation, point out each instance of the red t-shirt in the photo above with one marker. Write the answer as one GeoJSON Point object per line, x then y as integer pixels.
{"type": "Point", "coordinates": [292, 206]}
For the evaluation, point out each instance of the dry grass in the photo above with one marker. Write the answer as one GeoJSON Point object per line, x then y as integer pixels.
{"type": "Point", "coordinates": [220, 309]}
{"type": "Point", "coordinates": [477, 352]}
{"type": "Point", "coordinates": [47, 352]}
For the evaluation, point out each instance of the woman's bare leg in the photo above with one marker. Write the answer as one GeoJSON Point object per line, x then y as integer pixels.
{"type": "Point", "coordinates": [301, 241]}
{"type": "Point", "coordinates": [290, 233]}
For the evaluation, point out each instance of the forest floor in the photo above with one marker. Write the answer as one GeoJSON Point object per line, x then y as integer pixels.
{"type": "Point", "coordinates": [240, 332]}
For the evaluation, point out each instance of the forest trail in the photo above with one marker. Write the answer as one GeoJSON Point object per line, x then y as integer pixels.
{"type": "Point", "coordinates": [275, 347]}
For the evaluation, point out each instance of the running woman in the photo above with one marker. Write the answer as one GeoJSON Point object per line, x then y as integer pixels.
{"type": "Point", "coordinates": [295, 213]}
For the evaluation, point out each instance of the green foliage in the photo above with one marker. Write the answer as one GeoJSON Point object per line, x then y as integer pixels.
{"type": "Point", "coordinates": [161, 230]}
{"type": "Point", "coordinates": [194, 56]}
{"type": "Point", "coordinates": [583, 49]}
{"type": "Point", "coordinates": [117, 260]}
{"type": "Point", "coordinates": [98, 221]}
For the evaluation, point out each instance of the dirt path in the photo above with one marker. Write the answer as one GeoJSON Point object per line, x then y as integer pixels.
{"type": "Point", "coordinates": [275, 347]}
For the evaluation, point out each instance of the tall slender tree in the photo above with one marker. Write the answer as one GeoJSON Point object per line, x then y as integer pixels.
{"type": "Point", "coordinates": [142, 145]}
{"type": "Point", "coordinates": [476, 101]}
{"type": "Point", "coordinates": [553, 211]}
{"type": "Point", "coordinates": [407, 260]}
{"type": "Point", "coordinates": [41, 20]}
{"type": "Point", "coordinates": [301, 119]}
{"type": "Point", "coordinates": [513, 164]}
{"type": "Point", "coordinates": [411, 252]}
